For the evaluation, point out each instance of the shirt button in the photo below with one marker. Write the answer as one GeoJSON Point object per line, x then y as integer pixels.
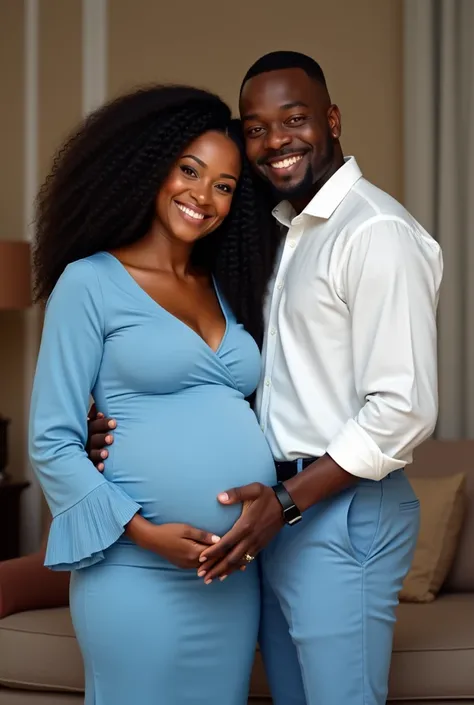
{"type": "Point", "coordinates": [273, 331]}
{"type": "Point", "coordinates": [280, 286]}
{"type": "Point", "coordinates": [262, 426]}
{"type": "Point", "coordinates": [268, 382]}
{"type": "Point", "coordinates": [292, 243]}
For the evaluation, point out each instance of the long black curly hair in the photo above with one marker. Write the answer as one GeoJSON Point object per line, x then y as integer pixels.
{"type": "Point", "coordinates": [101, 191]}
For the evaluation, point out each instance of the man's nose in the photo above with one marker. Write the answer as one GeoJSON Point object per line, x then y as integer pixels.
{"type": "Point", "coordinates": [277, 138]}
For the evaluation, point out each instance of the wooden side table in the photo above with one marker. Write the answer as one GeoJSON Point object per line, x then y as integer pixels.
{"type": "Point", "coordinates": [10, 493]}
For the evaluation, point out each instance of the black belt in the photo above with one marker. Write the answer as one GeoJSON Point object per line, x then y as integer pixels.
{"type": "Point", "coordinates": [287, 469]}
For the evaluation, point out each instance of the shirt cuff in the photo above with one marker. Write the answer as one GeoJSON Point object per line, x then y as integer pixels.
{"type": "Point", "coordinates": [358, 454]}
{"type": "Point", "coordinates": [78, 536]}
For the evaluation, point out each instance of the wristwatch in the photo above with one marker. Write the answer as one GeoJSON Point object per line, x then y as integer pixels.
{"type": "Point", "coordinates": [291, 513]}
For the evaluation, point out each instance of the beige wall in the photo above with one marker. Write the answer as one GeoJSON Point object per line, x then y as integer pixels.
{"type": "Point", "coordinates": [60, 75]}
{"type": "Point", "coordinates": [358, 43]}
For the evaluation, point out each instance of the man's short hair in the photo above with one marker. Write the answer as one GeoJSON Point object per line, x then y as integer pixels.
{"type": "Point", "coordinates": [280, 60]}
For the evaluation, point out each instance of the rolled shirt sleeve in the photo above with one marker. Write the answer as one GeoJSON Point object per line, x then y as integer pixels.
{"type": "Point", "coordinates": [390, 278]}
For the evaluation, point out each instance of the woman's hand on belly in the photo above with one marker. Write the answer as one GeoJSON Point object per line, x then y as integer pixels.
{"type": "Point", "coordinates": [179, 544]}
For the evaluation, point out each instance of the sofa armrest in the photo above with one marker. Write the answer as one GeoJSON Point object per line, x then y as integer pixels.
{"type": "Point", "coordinates": [25, 584]}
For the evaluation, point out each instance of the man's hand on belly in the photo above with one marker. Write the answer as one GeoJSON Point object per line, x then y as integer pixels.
{"type": "Point", "coordinates": [99, 436]}
{"type": "Point", "coordinates": [260, 521]}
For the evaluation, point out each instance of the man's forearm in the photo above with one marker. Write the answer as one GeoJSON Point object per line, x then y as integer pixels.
{"type": "Point", "coordinates": [318, 481]}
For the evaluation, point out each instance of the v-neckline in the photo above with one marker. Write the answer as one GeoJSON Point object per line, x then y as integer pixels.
{"type": "Point", "coordinates": [133, 282]}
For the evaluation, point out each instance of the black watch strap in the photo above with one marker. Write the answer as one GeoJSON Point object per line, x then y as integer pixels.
{"type": "Point", "coordinates": [291, 513]}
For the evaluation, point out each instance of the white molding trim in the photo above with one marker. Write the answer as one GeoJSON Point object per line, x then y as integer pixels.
{"type": "Point", "coordinates": [94, 54]}
{"type": "Point", "coordinates": [32, 502]}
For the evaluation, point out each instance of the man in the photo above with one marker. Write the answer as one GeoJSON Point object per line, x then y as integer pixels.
{"type": "Point", "coordinates": [349, 390]}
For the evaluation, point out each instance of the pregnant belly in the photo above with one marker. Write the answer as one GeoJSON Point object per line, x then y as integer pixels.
{"type": "Point", "coordinates": [176, 460]}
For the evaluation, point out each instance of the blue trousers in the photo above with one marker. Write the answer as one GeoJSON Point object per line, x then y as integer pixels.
{"type": "Point", "coordinates": [330, 589]}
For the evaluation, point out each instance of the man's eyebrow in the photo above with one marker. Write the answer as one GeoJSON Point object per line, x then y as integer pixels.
{"type": "Point", "coordinates": [285, 106]}
{"type": "Point", "coordinates": [250, 116]}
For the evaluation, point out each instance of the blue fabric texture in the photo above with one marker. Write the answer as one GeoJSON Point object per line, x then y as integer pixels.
{"type": "Point", "coordinates": [185, 433]}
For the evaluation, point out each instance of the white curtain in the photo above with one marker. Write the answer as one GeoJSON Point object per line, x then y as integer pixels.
{"type": "Point", "coordinates": [439, 182]}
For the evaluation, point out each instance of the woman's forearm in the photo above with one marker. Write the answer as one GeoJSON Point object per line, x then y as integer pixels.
{"type": "Point", "coordinates": [142, 532]}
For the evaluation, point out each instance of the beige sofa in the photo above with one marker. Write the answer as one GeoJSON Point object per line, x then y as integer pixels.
{"type": "Point", "coordinates": [433, 653]}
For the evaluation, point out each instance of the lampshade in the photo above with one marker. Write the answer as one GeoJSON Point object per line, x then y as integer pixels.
{"type": "Point", "coordinates": [15, 275]}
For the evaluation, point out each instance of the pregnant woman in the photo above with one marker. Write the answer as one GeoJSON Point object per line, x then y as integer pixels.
{"type": "Point", "coordinates": [149, 252]}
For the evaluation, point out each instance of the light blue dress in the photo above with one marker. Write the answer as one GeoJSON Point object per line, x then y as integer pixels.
{"type": "Point", "coordinates": [150, 633]}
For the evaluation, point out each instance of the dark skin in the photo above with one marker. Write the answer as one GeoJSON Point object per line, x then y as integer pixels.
{"type": "Point", "coordinates": [292, 133]}
{"type": "Point", "coordinates": [287, 114]}
{"type": "Point", "coordinates": [192, 202]}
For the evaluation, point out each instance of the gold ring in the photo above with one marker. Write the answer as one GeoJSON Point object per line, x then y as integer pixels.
{"type": "Point", "coordinates": [249, 558]}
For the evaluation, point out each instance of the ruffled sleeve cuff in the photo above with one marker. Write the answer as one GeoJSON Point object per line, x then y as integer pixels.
{"type": "Point", "coordinates": [79, 535]}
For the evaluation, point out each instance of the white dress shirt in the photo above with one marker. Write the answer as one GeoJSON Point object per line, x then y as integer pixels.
{"type": "Point", "coordinates": [350, 362]}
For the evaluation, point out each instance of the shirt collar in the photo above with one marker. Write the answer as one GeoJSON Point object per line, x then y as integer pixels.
{"type": "Point", "coordinates": [328, 197]}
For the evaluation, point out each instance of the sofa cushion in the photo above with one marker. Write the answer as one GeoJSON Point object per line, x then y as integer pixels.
{"type": "Point", "coordinates": [442, 504]}
{"type": "Point", "coordinates": [40, 652]}
{"type": "Point", "coordinates": [433, 651]}
{"type": "Point", "coordinates": [438, 458]}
